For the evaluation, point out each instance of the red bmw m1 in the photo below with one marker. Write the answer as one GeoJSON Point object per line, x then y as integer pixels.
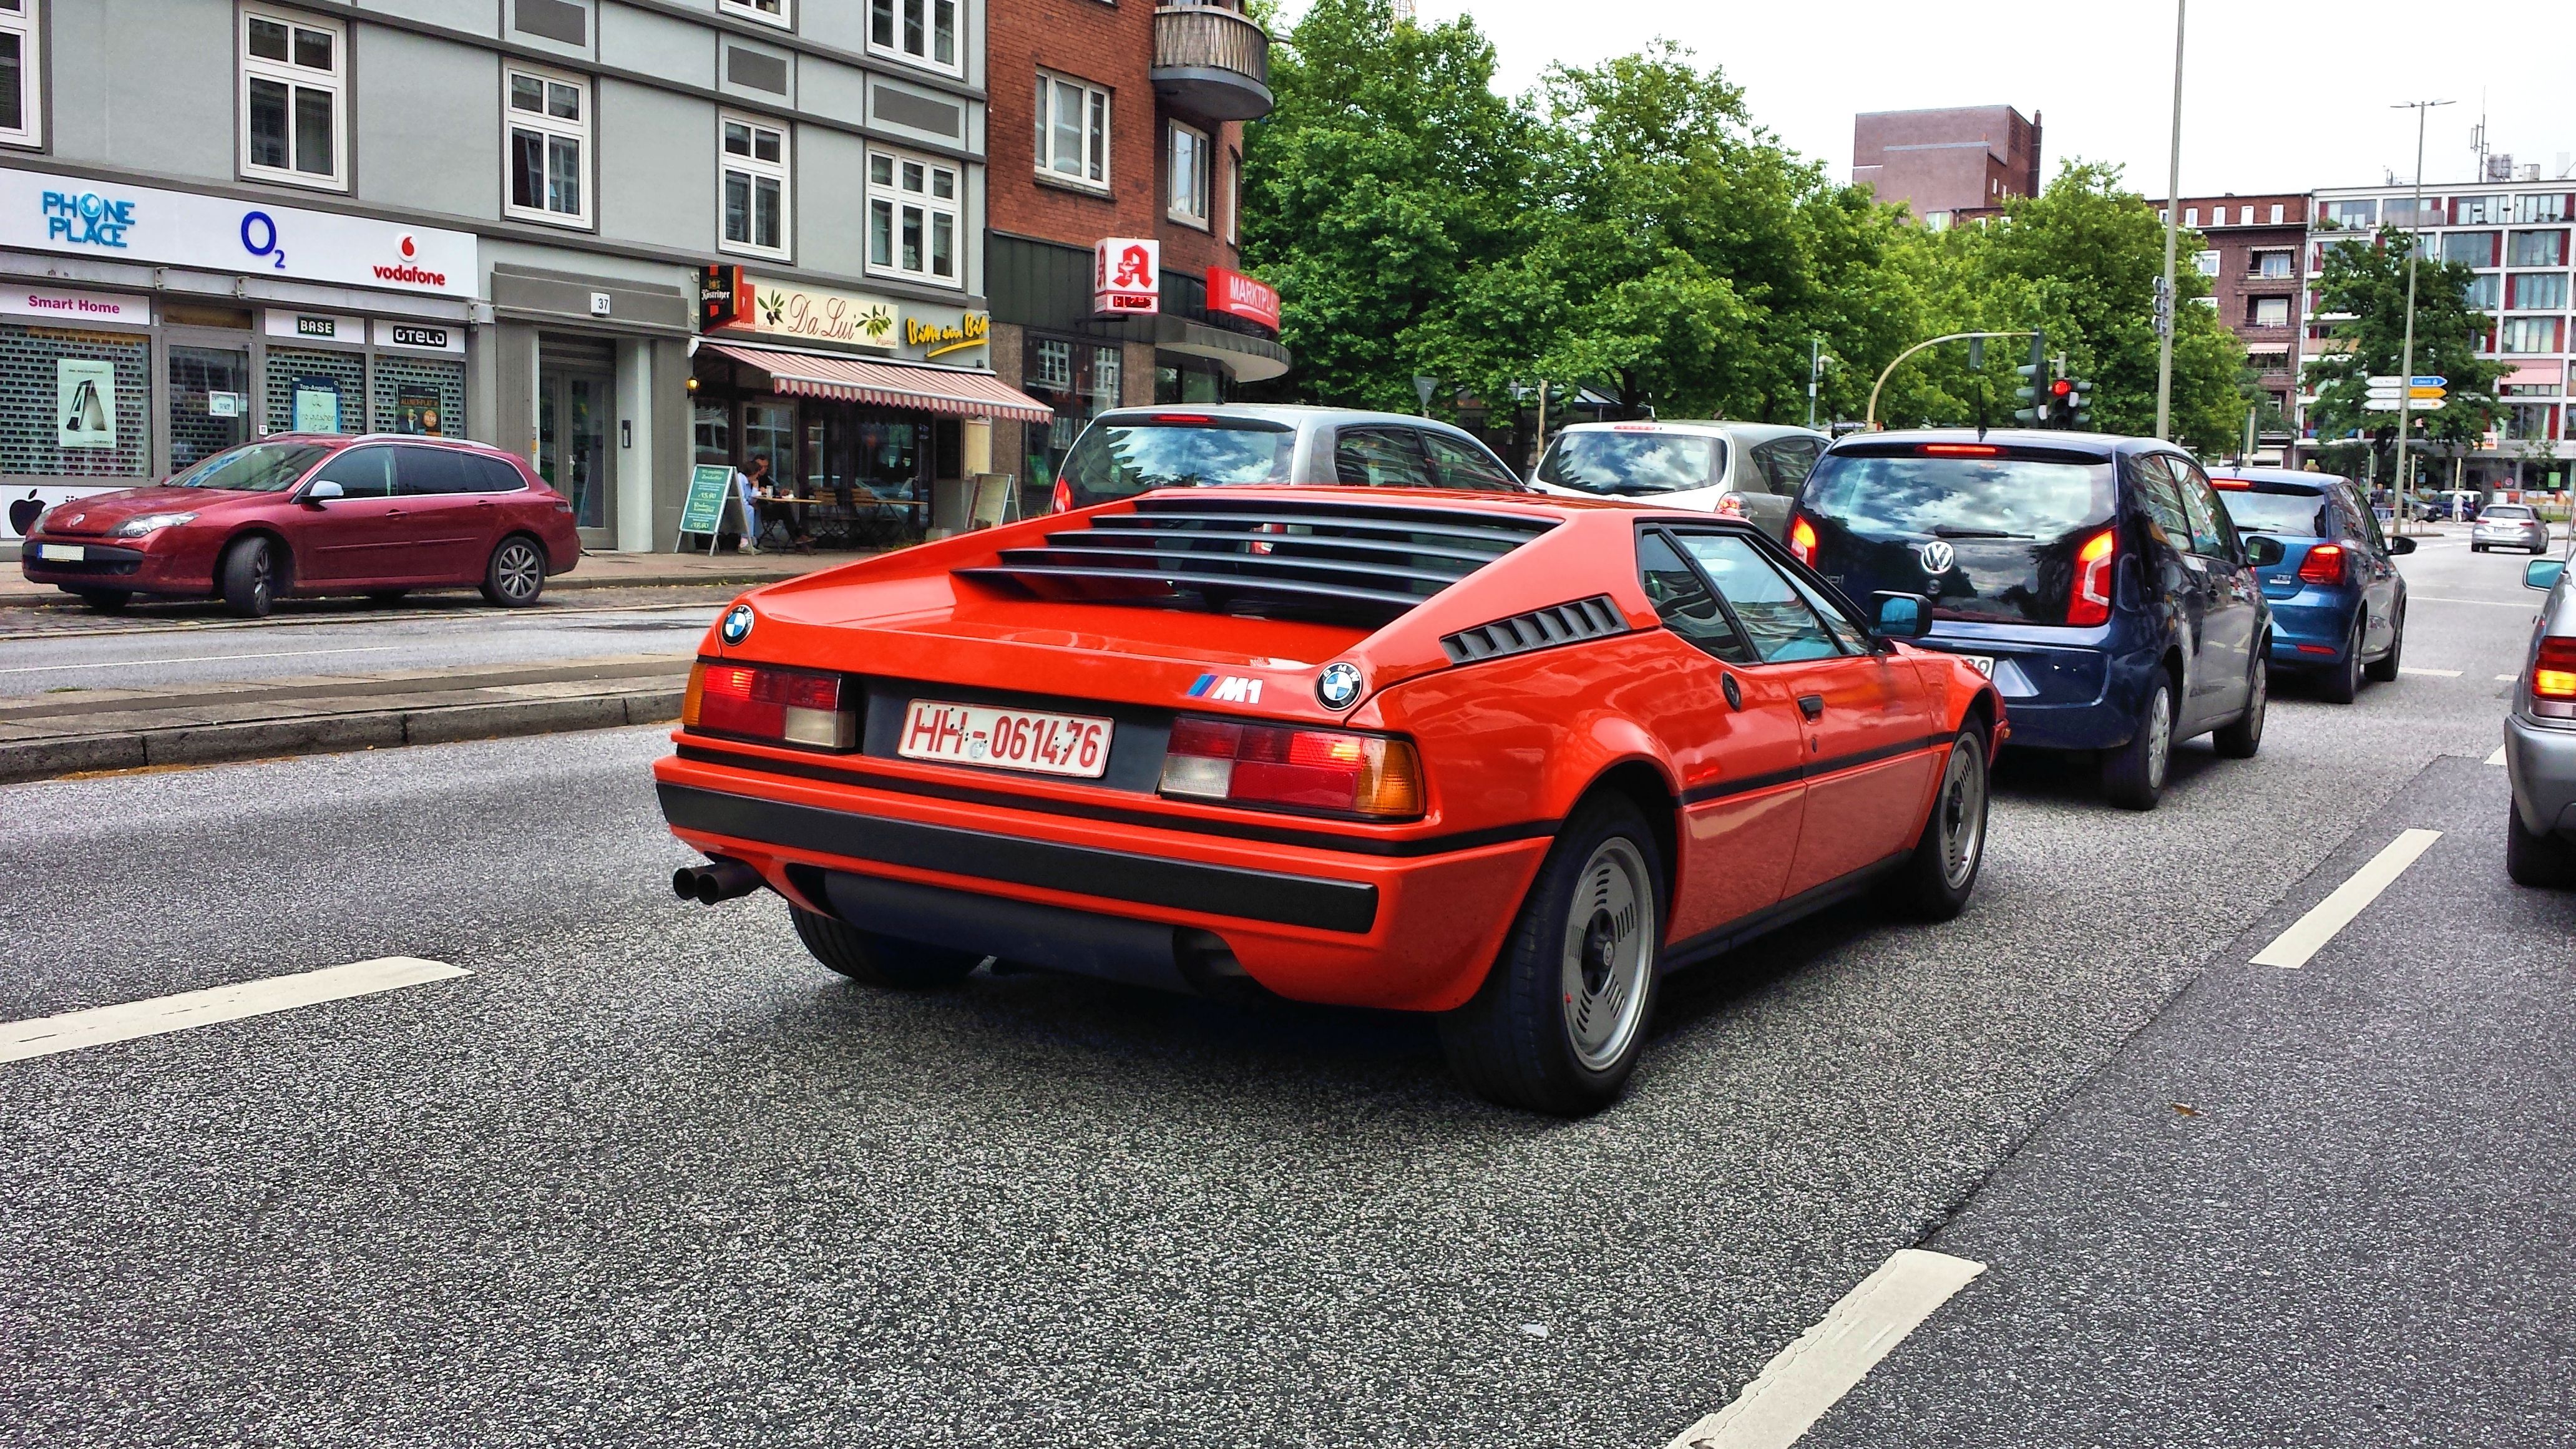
{"type": "Point", "coordinates": [1505, 759]}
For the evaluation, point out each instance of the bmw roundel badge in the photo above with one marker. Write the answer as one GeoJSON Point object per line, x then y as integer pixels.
{"type": "Point", "coordinates": [737, 624]}
{"type": "Point", "coordinates": [1938, 557]}
{"type": "Point", "coordinates": [1338, 686]}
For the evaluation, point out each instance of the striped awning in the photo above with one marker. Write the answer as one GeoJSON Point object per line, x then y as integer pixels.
{"type": "Point", "coordinates": [890, 384]}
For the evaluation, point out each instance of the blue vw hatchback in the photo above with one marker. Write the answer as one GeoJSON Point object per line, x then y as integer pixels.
{"type": "Point", "coordinates": [2338, 603]}
{"type": "Point", "coordinates": [2097, 580]}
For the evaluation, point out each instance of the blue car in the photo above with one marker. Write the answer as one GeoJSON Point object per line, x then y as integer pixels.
{"type": "Point", "coordinates": [2338, 603]}
{"type": "Point", "coordinates": [2097, 580]}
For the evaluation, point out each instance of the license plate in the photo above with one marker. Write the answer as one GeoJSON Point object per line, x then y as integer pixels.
{"type": "Point", "coordinates": [60, 552]}
{"type": "Point", "coordinates": [1012, 739]}
{"type": "Point", "coordinates": [1982, 663]}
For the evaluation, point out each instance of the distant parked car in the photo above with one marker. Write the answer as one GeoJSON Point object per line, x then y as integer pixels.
{"type": "Point", "coordinates": [1128, 451]}
{"type": "Point", "coordinates": [2540, 740]}
{"type": "Point", "coordinates": [2338, 603]}
{"type": "Point", "coordinates": [1740, 470]}
{"type": "Point", "coordinates": [2509, 525]}
{"type": "Point", "coordinates": [324, 513]}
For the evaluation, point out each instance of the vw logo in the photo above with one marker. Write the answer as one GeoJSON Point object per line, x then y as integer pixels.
{"type": "Point", "coordinates": [737, 624]}
{"type": "Point", "coordinates": [1938, 557]}
{"type": "Point", "coordinates": [1338, 686]}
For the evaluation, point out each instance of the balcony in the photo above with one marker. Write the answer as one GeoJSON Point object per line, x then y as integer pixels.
{"type": "Point", "coordinates": [1211, 62]}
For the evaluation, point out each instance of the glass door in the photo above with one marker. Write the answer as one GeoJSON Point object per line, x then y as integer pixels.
{"type": "Point", "coordinates": [572, 447]}
{"type": "Point", "coordinates": [209, 401]}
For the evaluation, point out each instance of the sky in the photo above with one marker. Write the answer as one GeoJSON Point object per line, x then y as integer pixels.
{"type": "Point", "coordinates": [2289, 101]}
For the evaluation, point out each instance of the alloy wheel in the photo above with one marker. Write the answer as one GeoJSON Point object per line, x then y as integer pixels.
{"type": "Point", "coordinates": [2159, 737]}
{"type": "Point", "coordinates": [1962, 814]}
{"type": "Point", "coordinates": [1609, 951]}
{"type": "Point", "coordinates": [519, 570]}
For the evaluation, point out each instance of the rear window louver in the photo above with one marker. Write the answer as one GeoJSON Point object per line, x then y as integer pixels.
{"type": "Point", "coordinates": [1269, 556]}
{"type": "Point", "coordinates": [1589, 618]}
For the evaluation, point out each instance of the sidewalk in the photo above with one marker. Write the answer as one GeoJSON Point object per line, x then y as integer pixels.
{"type": "Point", "coordinates": [595, 571]}
{"type": "Point", "coordinates": [119, 729]}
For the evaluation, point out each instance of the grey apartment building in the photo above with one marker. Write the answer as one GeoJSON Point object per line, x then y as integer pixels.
{"type": "Point", "coordinates": [621, 237]}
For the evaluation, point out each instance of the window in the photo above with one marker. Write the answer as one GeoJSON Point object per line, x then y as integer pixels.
{"type": "Point", "coordinates": [2269, 312]}
{"type": "Point", "coordinates": [360, 472]}
{"type": "Point", "coordinates": [2483, 293]}
{"type": "Point", "coordinates": [1461, 463]}
{"type": "Point", "coordinates": [2549, 207]}
{"type": "Point", "coordinates": [2529, 420]}
{"type": "Point", "coordinates": [1187, 161]}
{"type": "Point", "coordinates": [1073, 131]}
{"type": "Point", "coordinates": [2206, 263]}
{"type": "Point", "coordinates": [293, 72]}
{"type": "Point", "coordinates": [922, 30]}
{"type": "Point", "coordinates": [21, 108]}
{"type": "Point", "coordinates": [2244, 216]}
{"type": "Point", "coordinates": [2529, 335]}
{"type": "Point", "coordinates": [2191, 216]}
{"type": "Point", "coordinates": [1051, 365]}
{"type": "Point", "coordinates": [2272, 264]}
{"type": "Point", "coordinates": [2476, 210]}
{"type": "Point", "coordinates": [1233, 198]}
{"type": "Point", "coordinates": [2361, 214]}
{"type": "Point", "coordinates": [2537, 249]}
{"type": "Point", "coordinates": [2540, 292]}
{"type": "Point", "coordinates": [548, 123]}
{"type": "Point", "coordinates": [2213, 533]}
{"type": "Point", "coordinates": [755, 168]}
{"type": "Point", "coordinates": [1379, 458]}
{"type": "Point", "coordinates": [1685, 603]}
{"type": "Point", "coordinates": [768, 12]}
{"type": "Point", "coordinates": [1770, 612]}
{"type": "Point", "coordinates": [2276, 213]}
{"type": "Point", "coordinates": [2470, 248]}
{"type": "Point", "coordinates": [912, 218]}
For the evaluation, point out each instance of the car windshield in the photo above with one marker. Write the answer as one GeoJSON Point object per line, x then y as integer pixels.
{"type": "Point", "coordinates": [2508, 510]}
{"type": "Point", "coordinates": [1633, 464]}
{"type": "Point", "coordinates": [2301, 512]}
{"type": "Point", "coordinates": [1908, 496]}
{"type": "Point", "coordinates": [254, 467]}
{"type": "Point", "coordinates": [1120, 459]}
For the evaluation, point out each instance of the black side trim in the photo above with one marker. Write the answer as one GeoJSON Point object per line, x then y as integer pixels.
{"type": "Point", "coordinates": [840, 774]}
{"type": "Point", "coordinates": [1114, 875]}
{"type": "Point", "coordinates": [1798, 907]}
{"type": "Point", "coordinates": [1718, 790]}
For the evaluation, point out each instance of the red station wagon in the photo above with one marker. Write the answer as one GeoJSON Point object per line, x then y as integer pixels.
{"type": "Point", "coordinates": [314, 514]}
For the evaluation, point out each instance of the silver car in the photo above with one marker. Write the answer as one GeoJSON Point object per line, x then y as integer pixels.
{"type": "Point", "coordinates": [1743, 470]}
{"type": "Point", "coordinates": [2509, 525]}
{"type": "Point", "coordinates": [1129, 450]}
{"type": "Point", "coordinates": [2540, 740]}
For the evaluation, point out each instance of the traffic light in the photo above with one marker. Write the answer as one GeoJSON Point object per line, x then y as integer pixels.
{"type": "Point", "coordinates": [2033, 393]}
{"type": "Point", "coordinates": [2074, 402]}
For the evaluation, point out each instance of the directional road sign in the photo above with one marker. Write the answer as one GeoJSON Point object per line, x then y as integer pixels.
{"type": "Point", "coordinates": [2392, 380]}
{"type": "Point", "coordinates": [2389, 394]}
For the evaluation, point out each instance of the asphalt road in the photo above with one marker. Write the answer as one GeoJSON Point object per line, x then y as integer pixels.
{"type": "Point", "coordinates": [650, 1174]}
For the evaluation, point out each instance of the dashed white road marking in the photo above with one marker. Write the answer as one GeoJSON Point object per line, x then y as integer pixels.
{"type": "Point", "coordinates": [194, 659]}
{"type": "Point", "coordinates": [1811, 1375]}
{"type": "Point", "coordinates": [2489, 603]}
{"type": "Point", "coordinates": [2498, 757]}
{"type": "Point", "coordinates": [2429, 673]}
{"type": "Point", "coordinates": [2309, 933]}
{"type": "Point", "coordinates": [43, 1036]}
{"type": "Point", "coordinates": [2507, 678]}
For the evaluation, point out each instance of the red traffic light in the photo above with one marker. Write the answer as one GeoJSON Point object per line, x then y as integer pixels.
{"type": "Point", "coordinates": [2060, 388]}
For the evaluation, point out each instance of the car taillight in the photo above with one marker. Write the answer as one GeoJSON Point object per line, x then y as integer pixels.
{"type": "Point", "coordinates": [1279, 765]}
{"type": "Point", "coordinates": [2553, 674]}
{"type": "Point", "coordinates": [2323, 565]}
{"type": "Point", "coordinates": [788, 705]}
{"type": "Point", "coordinates": [1061, 501]}
{"type": "Point", "coordinates": [2092, 602]}
{"type": "Point", "coordinates": [1730, 505]}
{"type": "Point", "coordinates": [1802, 540]}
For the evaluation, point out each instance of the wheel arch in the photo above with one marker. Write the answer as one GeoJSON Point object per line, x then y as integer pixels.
{"type": "Point", "coordinates": [281, 560]}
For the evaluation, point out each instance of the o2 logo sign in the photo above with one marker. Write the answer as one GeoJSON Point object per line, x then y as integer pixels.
{"type": "Point", "coordinates": [259, 238]}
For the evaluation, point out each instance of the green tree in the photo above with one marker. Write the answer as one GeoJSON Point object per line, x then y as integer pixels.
{"type": "Point", "coordinates": [2364, 285]}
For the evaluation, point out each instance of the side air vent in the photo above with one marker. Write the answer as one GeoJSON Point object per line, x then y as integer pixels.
{"type": "Point", "coordinates": [1557, 624]}
{"type": "Point", "coordinates": [1269, 556]}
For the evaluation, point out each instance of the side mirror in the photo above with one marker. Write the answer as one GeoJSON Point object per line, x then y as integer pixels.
{"type": "Point", "coordinates": [2401, 544]}
{"type": "Point", "coordinates": [324, 491]}
{"type": "Point", "coordinates": [2262, 550]}
{"type": "Point", "coordinates": [2543, 573]}
{"type": "Point", "coordinates": [1901, 616]}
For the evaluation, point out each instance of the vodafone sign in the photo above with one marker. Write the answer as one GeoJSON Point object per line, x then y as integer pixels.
{"type": "Point", "coordinates": [78, 217]}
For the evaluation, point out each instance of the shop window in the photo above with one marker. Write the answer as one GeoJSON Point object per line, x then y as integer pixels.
{"type": "Point", "coordinates": [918, 30]}
{"type": "Point", "coordinates": [912, 218]}
{"type": "Point", "coordinates": [1073, 131]}
{"type": "Point", "coordinates": [767, 12]}
{"type": "Point", "coordinates": [1104, 379]}
{"type": "Point", "coordinates": [294, 75]}
{"type": "Point", "coordinates": [547, 118]}
{"type": "Point", "coordinates": [2540, 292]}
{"type": "Point", "coordinates": [1186, 159]}
{"type": "Point", "coordinates": [312, 390]}
{"type": "Point", "coordinates": [22, 109]}
{"type": "Point", "coordinates": [2537, 249]}
{"type": "Point", "coordinates": [711, 433]}
{"type": "Point", "coordinates": [1051, 364]}
{"type": "Point", "coordinates": [755, 189]}
{"type": "Point", "coordinates": [74, 404]}
{"type": "Point", "coordinates": [424, 396]}
{"type": "Point", "coordinates": [769, 431]}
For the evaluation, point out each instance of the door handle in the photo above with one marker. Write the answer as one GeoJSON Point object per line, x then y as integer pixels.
{"type": "Point", "coordinates": [1811, 705]}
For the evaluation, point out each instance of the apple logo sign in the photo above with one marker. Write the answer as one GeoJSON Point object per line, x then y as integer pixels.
{"type": "Point", "coordinates": [23, 511]}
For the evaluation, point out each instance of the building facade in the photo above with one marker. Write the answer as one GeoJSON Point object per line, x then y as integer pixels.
{"type": "Point", "coordinates": [1117, 159]}
{"type": "Point", "coordinates": [2515, 234]}
{"type": "Point", "coordinates": [497, 219]}
{"type": "Point", "coordinates": [1949, 165]}
{"type": "Point", "coordinates": [2252, 263]}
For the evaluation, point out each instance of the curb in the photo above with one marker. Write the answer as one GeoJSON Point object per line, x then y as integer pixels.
{"type": "Point", "coordinates": [330, 734]}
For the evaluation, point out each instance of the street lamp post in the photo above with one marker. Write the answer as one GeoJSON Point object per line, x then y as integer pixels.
{"type": "Point", "coordinates": [2406, 359]}
{"type": "Point", "coordinates": [2165, 317]}
{"type": "Point", "coordinates": [1869, 419]}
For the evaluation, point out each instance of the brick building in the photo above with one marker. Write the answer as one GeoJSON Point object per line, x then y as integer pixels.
{"type": "Point", "coordinates": [1949, 165]}
{"type": "Point", "coordinates": [1119, 123]}
{"type": "Point", "coordinates": [2252, 262]}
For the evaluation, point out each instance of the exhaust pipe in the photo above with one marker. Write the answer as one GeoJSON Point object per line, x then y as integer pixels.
{"type": "Point", "coordinates": [717, 880]}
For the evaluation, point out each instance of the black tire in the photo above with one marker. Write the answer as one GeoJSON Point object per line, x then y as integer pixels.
{"type": "Point", "coordinates": [2341, 683]}
{"type": "Point", "coordinates": [1936, 880]}
{"type": "Point", "coordinates": [386, 596]}
{"type": "Point", "coordinates": [880, 960]}
{"type": "Point", "coordinates": [2133, 776]}
{"type": "Point", "coordinates": [2240, 737]}
{"type": "Point", "coordinates": [515, 575]}
{"type": "Point", "coordinates": [2544, 862]}
{"type": "Point", "coordinates": [105, 601]}
{"type": "Point", "coordinates": [247, 577]}
{"type": "Point", "coordinates": [2477, 548]}
{"type": "Point", "coordinates": [2383, 670]}
{"type": "Point", "coordinates": [1587, 939]}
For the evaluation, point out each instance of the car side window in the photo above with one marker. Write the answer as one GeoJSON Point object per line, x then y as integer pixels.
{"type": "Point", "coordinates": [2163, 503]}
{"type": "Point", "coordinates": [2212, 534]}
{"type": "Point", "coordinates": [495, 476]}
{"type": "Point", "coordinates": [360, 472]}
{"type": "Point", "coordinates": [2365, 523]}
{"type": "Point", "coordinates": [423, 472]}
{"type": "Point", "coordinates": [1784, 463]}
{"type": "Point", "coordinates": [1782, 626]}
{"type": "Point", "coordinates": [1379, 458]}
{"type": "Point", "coordinates": [1459, 463]}
{"type": "Point", "coordinates": [1685, 603]}
{"type": "Point", "coordinates": [1846, 630]}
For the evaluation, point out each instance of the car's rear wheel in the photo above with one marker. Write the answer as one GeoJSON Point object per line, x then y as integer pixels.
{"type": "Point", "coordinates": [1937, 879]}
{"type": "Point", "coordinates": [247, 578]}
{"type": "Point", "coordinates": [516, 574]}
{"type": "Point", "coordinates": [2133, 776]}
{"type": "Point", "coordinates": [105, 601]}
{"type": "Point", "coordinates": [2341, 683]}
{"type": "Point", "coordinates": [2384, 668]}
{"type": "Point", "coordinates": [2544, 861]}
{"type": "Point", "coordinates": [2477, 548]}
{"type": "Point", "coordinates": [1561, 1018]}
{"type": "Point", "coordinates": [880, 960]}
{"type": "Point", "coordinates": [2240, 737]}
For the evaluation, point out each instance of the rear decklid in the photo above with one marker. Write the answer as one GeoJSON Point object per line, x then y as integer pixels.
{"type": "Point", "coordinates": [1989, 532]}
{"type": "Point", "coordinates": [2293, 513]}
